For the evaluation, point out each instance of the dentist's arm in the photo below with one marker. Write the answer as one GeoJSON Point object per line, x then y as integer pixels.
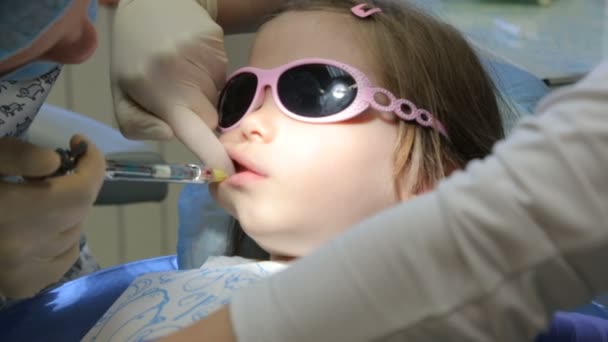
{"type": "Point", "coordinates": [238, 16]}
{"type": "Point", "coordinates": [488, 256]}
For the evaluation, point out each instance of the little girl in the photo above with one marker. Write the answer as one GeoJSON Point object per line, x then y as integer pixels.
{"type": "Point", "coordinates": [347, 109]}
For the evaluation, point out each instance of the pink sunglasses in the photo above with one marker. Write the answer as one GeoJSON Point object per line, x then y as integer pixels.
{"type": "Point", "coordinates": [314, 91]}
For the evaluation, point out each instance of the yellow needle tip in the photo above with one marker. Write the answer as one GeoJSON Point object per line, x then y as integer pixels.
{"type": "Point", "coordinates": [218, 176]}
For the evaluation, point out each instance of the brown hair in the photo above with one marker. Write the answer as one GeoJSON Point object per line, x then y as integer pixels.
{"type": "Point", "coordinates": [430, 63]}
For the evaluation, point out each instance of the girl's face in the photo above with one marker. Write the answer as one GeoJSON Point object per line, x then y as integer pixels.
{"type": "Point", "coordinates": [304, 183]}
{"type": "Point", "coordinates": [70, 40]}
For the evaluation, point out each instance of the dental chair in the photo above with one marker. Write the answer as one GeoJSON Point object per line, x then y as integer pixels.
{"type": "Point", "coordinates": [67, 312]}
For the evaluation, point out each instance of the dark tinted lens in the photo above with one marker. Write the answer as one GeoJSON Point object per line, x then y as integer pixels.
{"type": "Point", "coordinates": [236, 98]}
{"type": "Point", "coordinates": [316, 90]}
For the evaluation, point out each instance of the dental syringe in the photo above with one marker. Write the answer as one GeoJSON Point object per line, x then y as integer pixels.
{"type": "Point", "coordinates": [135, 171]}
{"type": "Point", "coordinates": [168, 173]}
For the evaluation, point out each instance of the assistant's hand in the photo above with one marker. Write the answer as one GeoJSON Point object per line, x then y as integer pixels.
{"type": "Point", "coordinates": [168, 65]}
{"type": "Point", "coordinates": [41, 220]}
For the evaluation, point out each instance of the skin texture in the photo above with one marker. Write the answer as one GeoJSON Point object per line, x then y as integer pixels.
{"type": "Point", "coordinates": [319, 179]}
{"type": "Point", "coordinates": [71, 40]}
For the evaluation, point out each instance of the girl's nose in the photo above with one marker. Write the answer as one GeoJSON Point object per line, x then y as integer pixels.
{"type": "Point", "coordinates": [258, 125]}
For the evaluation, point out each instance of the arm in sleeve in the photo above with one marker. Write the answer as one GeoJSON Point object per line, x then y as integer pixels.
{"type": "Point", "coordinates": [237, 16]}
{"type": "Point", "coordinates": [488, 256]}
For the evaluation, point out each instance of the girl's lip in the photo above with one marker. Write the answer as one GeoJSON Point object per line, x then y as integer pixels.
{"type": "Point", "coordinates": [246, 171]}
{"type": "Point", "coordinates": [243, 178]}
{"type": "Point", "coordinates": [243, 164]}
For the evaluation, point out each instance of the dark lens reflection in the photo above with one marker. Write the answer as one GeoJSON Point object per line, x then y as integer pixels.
{"type": "Point", "coordinates": [316, 90]}
{"type": "Point", "coordinates": [236, 98]}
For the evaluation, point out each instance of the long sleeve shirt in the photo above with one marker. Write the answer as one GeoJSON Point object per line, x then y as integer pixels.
{"type": "Point", "coordinates": [488, 256]}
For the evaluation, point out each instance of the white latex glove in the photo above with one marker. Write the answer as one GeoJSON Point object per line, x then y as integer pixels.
{"type": "Point", "coordinates": [41, 220]}
{"type": "Point", "coordinates": [168, 65]}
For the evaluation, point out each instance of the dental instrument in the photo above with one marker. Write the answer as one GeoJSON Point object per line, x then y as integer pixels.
{"type": "Point", "coordinates": [136, 171]}
{"type": "Point", "coordinates": [169, 173]}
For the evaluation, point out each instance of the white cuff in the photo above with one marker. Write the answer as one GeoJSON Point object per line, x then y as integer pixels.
{"type": "Point", "coordinates": [211, 7]}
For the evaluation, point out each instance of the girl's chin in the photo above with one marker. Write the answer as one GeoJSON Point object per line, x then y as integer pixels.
{"type": "Point", "coordinates": [220, 199]}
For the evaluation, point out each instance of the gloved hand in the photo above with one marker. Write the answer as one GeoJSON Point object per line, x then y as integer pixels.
{"type": "Point", "coordinates": [168, 65]}
{"type": "Point", "coordinates": [41, 220]}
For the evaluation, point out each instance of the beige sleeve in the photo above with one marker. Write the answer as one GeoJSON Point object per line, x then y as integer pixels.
{"type": "Point", "coordinates": [210, 6]}
{"type": "Point", "coordinates": [488, 256]}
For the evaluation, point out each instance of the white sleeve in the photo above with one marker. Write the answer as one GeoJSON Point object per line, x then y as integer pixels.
{"type": "Point", "coordinates": [488, 256]}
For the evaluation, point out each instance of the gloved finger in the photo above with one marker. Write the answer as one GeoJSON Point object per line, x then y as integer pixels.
{"type": "Point", "coordinates": [82, 186]}
{"type": "Point", "coordinates": [135, 122]}
{"type": "Point", "coordinates": [209, 77]}
{"type": "Point", "coordinates": [193, 132]}
{"type": "Point", "coordinates": [59, 243]}
{"type": "Point", "coordinates": [19, 158]}
{"type": "Point", "coordinates": [62, 194]}
{"type": "Point", "coordinates": [199, 100]}
{"type": "Point", "coordinates": [61, 263]}
{"type": "Point", "coordinates": [33, 275]}
{"type": "Point", "coordinates": [44, 235]}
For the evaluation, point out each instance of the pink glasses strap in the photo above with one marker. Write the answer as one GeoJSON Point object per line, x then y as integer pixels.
{"type": "Point", "coordinates": [404, 109]}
